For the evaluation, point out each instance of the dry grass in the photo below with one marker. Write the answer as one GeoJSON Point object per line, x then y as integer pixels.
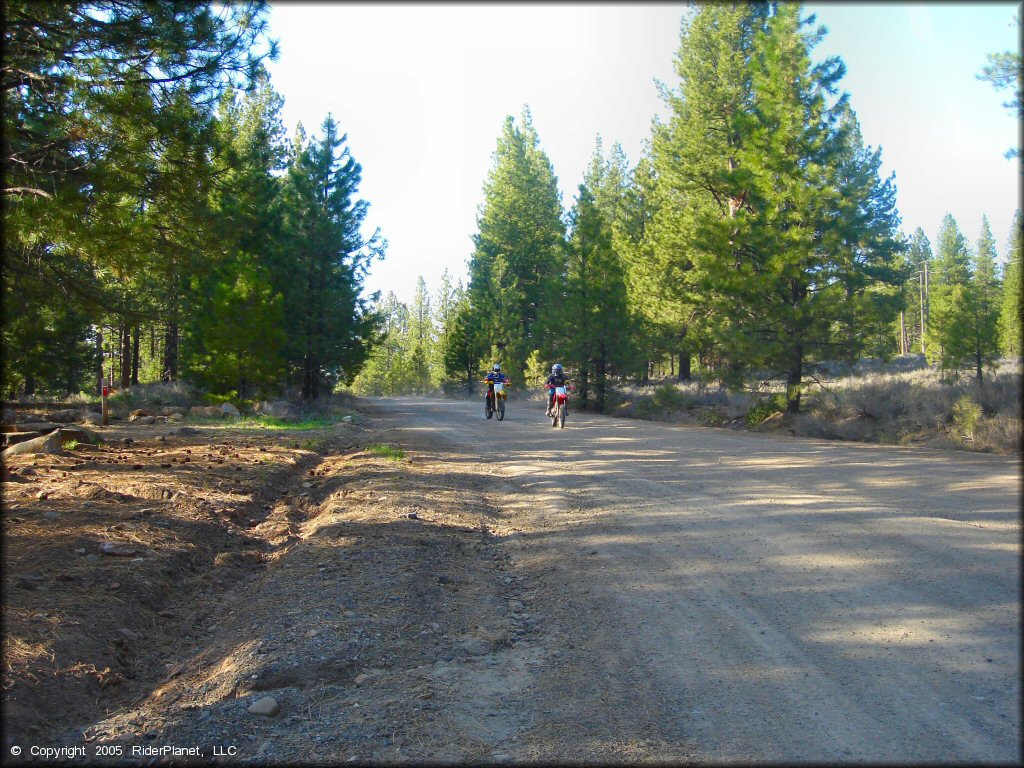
{"type": "Point", "coordinates": [903, 402]}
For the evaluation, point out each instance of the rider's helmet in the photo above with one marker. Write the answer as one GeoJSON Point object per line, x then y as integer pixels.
{"type": "Point", "coordinates": [556, 368]}
{"type": "Point", "coordinates": [497, 367]}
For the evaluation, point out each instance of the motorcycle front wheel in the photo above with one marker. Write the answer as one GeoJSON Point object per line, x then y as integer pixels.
{"type": "Point", "coordinates": [561, 415]}
{"type": "Point", "coordinates": [487, 408]}
{"type": "Point", "coordinates": [501, 410]}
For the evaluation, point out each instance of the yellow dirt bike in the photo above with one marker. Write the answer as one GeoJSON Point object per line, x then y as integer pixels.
{"type": "Point", "coordinates": [494, 400]}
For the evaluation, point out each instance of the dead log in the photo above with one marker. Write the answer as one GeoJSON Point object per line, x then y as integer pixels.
{"type": "Point", "coordinates": [52, 443]}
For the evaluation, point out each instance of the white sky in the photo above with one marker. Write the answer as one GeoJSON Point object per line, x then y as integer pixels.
{"type": "Point", "coordinates": [422, 92]}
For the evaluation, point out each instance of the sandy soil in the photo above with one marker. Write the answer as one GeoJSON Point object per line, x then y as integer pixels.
{"type": "Point", "coordinates": [508, 592]}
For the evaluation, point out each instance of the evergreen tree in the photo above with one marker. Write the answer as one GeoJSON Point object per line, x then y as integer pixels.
{"type": "Point", "coordinates": [420, 340]}
{"type": "Point", "coordinates": [981, 335]}
{"type": "Point", "coordinates": [634, 240]}
{"type": "Point", "coordinates": [1004, 70]}
{"type": "Point", "coordinates": [331, 326]}
{"type": "Point", "coordinates": [917, 258]}
{"type": "Point", "coordinates": [594, 313]}
{"type": "Point", "coordinates": [232, 348]}
{"type": "Point", "coordinates": [1011, 317]}
{"type": "Point", "coordinates": [949, 297]}
{"type": "Point", "coordinates": [517, 256]}
{"type": "Point", "coordinates": [445, 305]}
{"type": "Point", "coordinates": [780, 233]}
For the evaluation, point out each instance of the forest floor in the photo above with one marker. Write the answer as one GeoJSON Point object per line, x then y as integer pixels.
{"type": "Point", "coordinates": [467, 599]}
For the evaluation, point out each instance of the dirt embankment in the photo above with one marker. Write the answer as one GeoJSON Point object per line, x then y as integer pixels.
{"type": "Point", "coordinates": [159, 586]}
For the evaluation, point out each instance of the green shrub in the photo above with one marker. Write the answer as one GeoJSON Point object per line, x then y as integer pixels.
{"type": "Point", "coordinates": [966, 417]}
{"type": "Point", "coordinates": [711, 418]}
{"type": "Point", "coordinates": [669, 397]}
{"type": "Point", "coordinates": [764, 408]}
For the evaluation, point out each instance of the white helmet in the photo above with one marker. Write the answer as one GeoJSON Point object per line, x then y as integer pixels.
{"type": "Point", "coordinates": [497, 367]}
{"type": "Point", "coordinates": [556, 368]}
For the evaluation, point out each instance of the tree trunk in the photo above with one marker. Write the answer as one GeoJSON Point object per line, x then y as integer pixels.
{"type": "Point", "coordinates": [99, 362]}
{"type": "Point", "coordinates": [599, 382]}
{"type": "Point", "coordinates": [793, 380]}
{"type": "Point", "coordinates": [126, 356]}
{"type": "Point", "coordinates": [135, 354]}
{"type": "Point", "coordinates": [977, 367]}
{"type": "Point", "coordinates": [170, 366]}
{"type": "Point", "coordinates": [30, 385]}
{"type": "Point", "coordinates": [685, 371]}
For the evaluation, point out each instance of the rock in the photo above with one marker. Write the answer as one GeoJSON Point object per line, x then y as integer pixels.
{"type": "Point", "coordinates": [280, 409]}
{"type": "Point", "coordinates": [139, 413]}
{"type": "Point", "coordinates": [51, 515]}
{"type": "Point", "coordinates": [92, 419]}
{"type": "Point", "coordinates": [175, 416]}
{"type": "Point", "coordinates": [79, 433]}
{"type": "Point", "coordinates": [229, 410]}
{"type": "Point", "coordinates": [51, 443]}
{"type": "Point", "coordinates": [128, 634]}
{"type": "Point", "coordinates": [8, 416]}
{"type": "Point", "coordinates": [170, 410]}
{"type": "Point", "coordinates": [265, 706]}
{"type": "Point", "coordinates": [362, 679]}
{"type": "Point", "coordinates": [66, 416]}
{"type": "Point", "coordinates": [39, 426]}
{"type": "Point", "coordinates": [347, 419]}
{"type": "Point", "coordinates": [116, 549]}
{"type": "Point", "coordinates": [145, 420]}
{"type": "Point", "coordinates": [127, 441]}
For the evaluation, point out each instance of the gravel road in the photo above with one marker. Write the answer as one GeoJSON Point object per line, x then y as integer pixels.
{"type": "Point", "coordinates": [727, 596]}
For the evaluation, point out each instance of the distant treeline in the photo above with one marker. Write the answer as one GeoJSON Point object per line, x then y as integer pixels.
{"type": "Point", "coordinates": [158, 222]}
{"type": "Point", "coordinates": [157, 218]}
{"type": "Point", "coordinates": [753, 235]}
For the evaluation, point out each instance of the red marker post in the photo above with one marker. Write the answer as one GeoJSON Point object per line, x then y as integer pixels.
{"type": "Point", "coordinates": [106, 408]}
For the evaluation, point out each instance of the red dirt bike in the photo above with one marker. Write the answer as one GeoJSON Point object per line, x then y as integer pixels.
{"type": "Point", "coordinates": [559, 406]}
{"type": "Point", "coordinates": [494, 400]}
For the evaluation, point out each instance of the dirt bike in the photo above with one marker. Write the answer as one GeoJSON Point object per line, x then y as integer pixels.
{"type": "Point", "coordinates": [558, 408]}
{"type": "Point", "coordinates": [494, 400]}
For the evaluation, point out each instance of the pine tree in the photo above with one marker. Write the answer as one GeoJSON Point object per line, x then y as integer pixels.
{"type": "Point", "coordinates": [420, 341]}
{"type": "Point", "coordinates": [1011, 317]}
{"type": "Point", "coordinates": [918, 257]}
{"type": "Point", "coordinates": [981, 334]}
{"type": "Point", "coordinates": [594, 315]}
{"type": "Point", "coordinates": [778, 232]}
{"type": "Point", "coordinates": [517, 255]}
{"type": "Point", "coordinates": [331, 326]}
{"type": "Point", "coordinates": [949, 297]}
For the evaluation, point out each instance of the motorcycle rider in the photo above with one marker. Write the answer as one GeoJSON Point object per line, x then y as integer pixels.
{"type": "Point", "coordinates": [556, 379]}
{"type": "Point", "coordinates": [495, 375]}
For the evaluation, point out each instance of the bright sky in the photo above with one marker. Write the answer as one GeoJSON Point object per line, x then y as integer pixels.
{"type": "Point", "coordinates": [422, 91]}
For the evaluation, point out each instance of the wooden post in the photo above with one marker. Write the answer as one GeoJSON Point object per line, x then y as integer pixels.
{"type": "Point", "coordinates": [106, 408]}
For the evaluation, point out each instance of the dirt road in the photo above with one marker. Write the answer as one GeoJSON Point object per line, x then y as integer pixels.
{"type": "Point", "coordinates": [744, 597]}
{"type": "Point", "coordinates": [507, 592]}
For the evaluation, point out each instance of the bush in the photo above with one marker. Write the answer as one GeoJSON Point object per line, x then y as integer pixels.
{"type": "Point", "coordinates": [764, 408]}
{"type": "Point", "coordinates": [668, 397]}
{"type": "Point", "coordinates": [966, 417]}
